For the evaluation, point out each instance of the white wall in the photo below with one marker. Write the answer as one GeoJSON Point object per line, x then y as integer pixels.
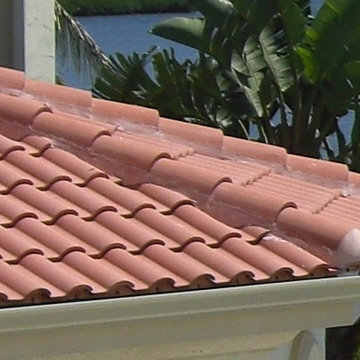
{"type": "Point", "coordinates": [27, 37]}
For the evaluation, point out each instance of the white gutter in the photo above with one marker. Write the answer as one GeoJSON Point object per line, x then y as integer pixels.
{"type": "Point", "coordinates": [185, 317]}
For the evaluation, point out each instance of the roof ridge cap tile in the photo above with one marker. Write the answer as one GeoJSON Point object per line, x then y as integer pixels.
{"type": "Point", "coordinates": [69, 128]}
{"type": "Point", "coordinates": [204, 139]}
{"type": "Point", "coordinates": [12, 79]}
{"type": "Point", "coordinates": [354, 179]}
{"type": "Point", "coordinates": [341, 237]}
{"type": "Point", "coordinates": [58, 95]}
{"type": "Point", "coordinates": [254, 150]}
{"type": "Point", "coordinates": [112, 128]}
{"type": "Point", "coordinates": [251, 202]}
{"type": "Point", "coordinates": [21, 110]}
{"type": "Point", "coordinates": [318, 168]}
{"type": "Point", "coordinates": [124, 115]}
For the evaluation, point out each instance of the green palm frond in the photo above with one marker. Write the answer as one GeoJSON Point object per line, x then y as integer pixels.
{"type": "Point", "coordinates": [74, 43]}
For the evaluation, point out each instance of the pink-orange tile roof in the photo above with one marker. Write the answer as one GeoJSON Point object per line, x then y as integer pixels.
{"type": "Point", "coordinates": [101, 199]}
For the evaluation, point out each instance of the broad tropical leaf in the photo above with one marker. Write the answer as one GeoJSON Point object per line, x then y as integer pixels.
{"type": "Point", "coordinates": [331, 40]}
{"type": "Point", "coordinates": [182, 30]}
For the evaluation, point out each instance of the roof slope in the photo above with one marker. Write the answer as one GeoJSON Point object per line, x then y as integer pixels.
{"type": "Point", "coordinates": [102, 199]}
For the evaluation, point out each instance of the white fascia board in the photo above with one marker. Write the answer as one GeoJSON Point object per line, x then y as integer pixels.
{"type": "Point", "coordinates": [269, 300]}
{"type": "Point", "coordinates": [243, 319]}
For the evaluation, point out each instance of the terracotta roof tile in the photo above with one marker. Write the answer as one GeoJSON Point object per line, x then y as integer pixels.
{"type": "Point", "coordinates": [45, 206]}
{"type": "Point", "coordinates": [258, 205]}
{"type": "Point", "coordinates": [68, 128]}
{"type": "Point", "coordinates": [275, 266]}
{"type": "Point", "coordinates": [37, 144]}
{"type": "Point", "coordinates": [14, 245]}
{"type": "Point", "coordinates": [12, 210]}
{"type": "Point", "coordinates": [129, 199]}
{"type": "Point", "coordinates": [241, 172]}
{"type": "Point", "coordinates": [61, 276]}
{"type": "Point", "coordinates": [134, 231]}
{"type": "Point", "coordinates": [257, 233]}
{"type": "Point", "coordinates": [81, 171]}
{"type": "Point", "coordinates": [188, 177]}
{"type": "Point", "coordinates": [306, 196]}
{"type": "Point", "coordinates": [174, 228]}
{"type": "Point", "coordinates": [124, 115]}
{"type": "Point", "coordinates": [339, 237]}
{"type": "Point", "coordinates": [93, 238]}
{"type": "Point", "coordinates": [320, 168]}
{"type": "Point", "coordinates": [205, 223]}
{"type": "Point", "coordinates": [203, 139]}
{"type": "Point", "coordinates": [196, 273]}
{"type": "Point", "coordinates": [57, 239]}
{"type": "Point", "coordinates": [254, 150]}
{"type": "Point", "coordinates": [60, 96]}
{"type": "Point", "coordinates": [145, 270]}
{"type": "Point", "coordinates": [13, 130]}
{"type": "Point", "coordinates": [25, 283]}
{"type": "Point", "coordinates": [23, 111]}
{"type": "Point", "coordinates": [128, 151]}
{"type": "Point", "coordinates": [101, 199]}
{"type": "Point", "coordinates": [354, 179]}
{"type": "Point", "coordinates": [171, 200]}
{"type": "Point", "coordinates": [41, 172]}
{"type": "Point", "coordinates": [11, 176]}
{"type": "Point", "coordinates": [174, 149]}
{"type": "Point", "coordinates": [346, 207]}
{"type": "Point", "coordinates": [102, 271]}
{"type": "Point", "coordinates": [87, 202]}
{"type": "Point", "coordinates": [229, 265]}
{"type": "Point", "coordinates": [7, 146]}
{"type": "Point", "coordinates": [86, 120]}
{"type": "Point", "coordinates": [310, 263]}
{"type": "Point", "coordinates": [11, 80]}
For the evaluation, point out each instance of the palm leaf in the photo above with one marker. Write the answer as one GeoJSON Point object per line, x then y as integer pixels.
{"type": "Point", "coordinates": [74, 43]}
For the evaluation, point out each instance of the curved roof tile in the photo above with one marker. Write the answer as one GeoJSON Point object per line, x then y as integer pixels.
{"type": "Point", "coordinates": [193, 208]}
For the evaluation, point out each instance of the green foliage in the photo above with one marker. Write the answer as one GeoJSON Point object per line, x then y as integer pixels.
{"type": "Point", "coordinates": [74, 43]}
{"type": "Point", "coordinates": [110, 7]}
{"type": "Point", "coordinates": [269, 69]}
{"type": "Point", "coordinates": [197, 92]}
